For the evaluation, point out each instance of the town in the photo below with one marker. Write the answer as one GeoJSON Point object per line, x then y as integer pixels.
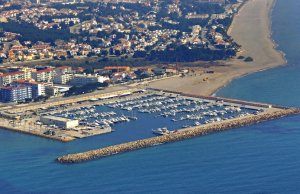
{"type": "Point", "coordinates": [25, 84]}
{"type": "Point", "coordinates": [166, 32]}
{"type": "Point", "coordinates": [172, 31]}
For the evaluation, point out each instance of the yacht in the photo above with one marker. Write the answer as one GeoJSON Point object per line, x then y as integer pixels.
{"type": "Point", "coordinates": [161, 131]}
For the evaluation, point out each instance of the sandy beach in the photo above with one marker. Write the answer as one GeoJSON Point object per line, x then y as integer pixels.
{"type": "Point", "coordinates": [251, 29]}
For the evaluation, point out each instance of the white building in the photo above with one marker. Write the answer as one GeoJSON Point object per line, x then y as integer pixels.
{"type": "Point", "coordinates": [37, 88]}
{"type": "Point", "coordinates": [84, 79]}
{"type": "Point", "coordinates": [45, 75]}
{"type": "Point", "coordinates": [59, 121]}
{"type": "Point", "coordinates": [62, 78]}
{"type": "Point", "coordinates": [8, 78]}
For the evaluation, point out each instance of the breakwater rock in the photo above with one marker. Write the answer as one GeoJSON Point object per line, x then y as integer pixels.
{"type": "Point", "coordinates": [178, 136]}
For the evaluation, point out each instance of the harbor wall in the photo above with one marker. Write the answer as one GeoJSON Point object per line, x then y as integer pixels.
{"type": "Point", "coordinates": [62, 139]}
{"type": "Point", "coordinates": [178, 136]}
{"type": "Point", "coordinates": [68, 100]}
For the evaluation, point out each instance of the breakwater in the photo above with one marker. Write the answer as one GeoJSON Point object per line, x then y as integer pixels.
{"type": "Point", "coordinates": [178, 136]}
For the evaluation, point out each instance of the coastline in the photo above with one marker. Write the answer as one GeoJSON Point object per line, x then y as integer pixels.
{"type": "Point", "coordinates": [275, 47]}
{"type": "Point", "coordinates": [252, 28]}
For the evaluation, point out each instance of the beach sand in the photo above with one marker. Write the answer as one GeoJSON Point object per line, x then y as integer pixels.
{"type": "Point", "coordinates": [251, 29]}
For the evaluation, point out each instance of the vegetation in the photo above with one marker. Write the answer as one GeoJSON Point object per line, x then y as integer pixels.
{"type": "Point", "coordinates": [77, 90]}
{"type": "Point", "coordinates": [248, 59]}
{"type": "Point", "coordinates": [27, 30]}
{"type": "Point", "coordinates": [201, 8]}
{"type": "Point", "coordinates": [185, 54]}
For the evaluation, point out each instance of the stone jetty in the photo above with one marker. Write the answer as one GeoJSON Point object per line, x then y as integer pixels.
{"type": "Point", "coordinates": [178, 136]}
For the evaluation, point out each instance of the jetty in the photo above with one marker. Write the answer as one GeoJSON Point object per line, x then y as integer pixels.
{"type": "Point", "coordinates": [178, 136]}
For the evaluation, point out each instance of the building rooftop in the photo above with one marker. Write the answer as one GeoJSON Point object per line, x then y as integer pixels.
{"type": "Point", "coordinates": [28, 82]}
{"type": "Point", "coordinates": [57, 118]}
{"type": "Point", "coordinates": [12, 73]}
{"type": "Point", "coordinates": [44, 70]}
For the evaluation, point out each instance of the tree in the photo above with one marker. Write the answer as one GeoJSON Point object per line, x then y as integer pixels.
{"type": "Point", "coordinates": [248, 59]}
{"type": "Point", "coordinates": [111, 51]}
{"type": "Point", "coordinates": [104, 52]}
{"type": "Point", "coordinates": [139, 54]}
{"type": "Point", "coordinates": [117, 52]}
{"type": "Point", "coordinates": [101, 34]}
{"type": "Point", "coordinates": [63, 58]}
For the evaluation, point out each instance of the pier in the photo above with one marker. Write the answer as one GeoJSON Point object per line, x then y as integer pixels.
{"type": "Point", "coordinates": [178, 136]}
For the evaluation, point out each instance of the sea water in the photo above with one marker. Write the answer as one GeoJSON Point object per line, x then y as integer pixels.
{"type": "Point", "coordinates": [263, 158]}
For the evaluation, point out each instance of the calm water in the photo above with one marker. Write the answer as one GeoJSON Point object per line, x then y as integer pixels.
{"type": "Point", "coordinates": [264, 158]}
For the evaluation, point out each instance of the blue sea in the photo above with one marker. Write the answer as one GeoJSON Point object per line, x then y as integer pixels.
{"type": "Point", "coordinates": [264, 158]}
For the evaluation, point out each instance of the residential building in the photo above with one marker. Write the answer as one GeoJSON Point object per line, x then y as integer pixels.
{"type": "Point", "coordinates": [8, 78]}
{"type": "Point", "coordinates": [62, 78]}
{"type": "Point", "coordinates": [118, 68]}
{"type": "Point", "coordinates": [45, 75]}
{"type": "Point", "coordinates": [28, 72]}
{"type": "Point", "coordinates": [84, 79]}
{"type": "Point", "coordinates": [63, 70]}
{"type": "Point", "coordinates": [15, 93]}
{"type": "Point", "coordinates": [37, 88]}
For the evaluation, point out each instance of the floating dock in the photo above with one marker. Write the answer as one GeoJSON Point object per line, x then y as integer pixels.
{"type": "Point", "coordinates": [178, 136]}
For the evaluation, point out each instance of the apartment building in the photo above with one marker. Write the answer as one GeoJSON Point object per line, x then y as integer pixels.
{"type": "Point", "coordinates": [15, 93]}
{"type": "Point", "coordinates": [8, 78]}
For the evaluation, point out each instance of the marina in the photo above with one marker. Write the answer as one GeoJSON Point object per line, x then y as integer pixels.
{"type": "Point", "coordinates": [168, 111]}
{"type": "Point", "coordinates": [178, 136]}
{"type": "Point", "coordinates": [125, 114]}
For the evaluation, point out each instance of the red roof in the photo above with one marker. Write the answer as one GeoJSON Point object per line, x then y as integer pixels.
{"type": "Point", "coordinates": [63, 67]}
{"type": "Point", "coordinates": [45, 70]}
{"type": "Point", "coordinates": [27, 81]}
{"type": "Point", "coordinates": [12, 87]}
{"type": "Point", "coordinates": [116, 67]}
{"type": "Point", "coordinates": [12, 73]}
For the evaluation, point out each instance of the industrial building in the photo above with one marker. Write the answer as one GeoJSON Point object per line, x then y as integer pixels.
{"type": "Point", "coordinates": [59, 121]}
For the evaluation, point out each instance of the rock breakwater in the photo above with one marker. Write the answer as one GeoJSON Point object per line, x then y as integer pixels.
{"type": "Point", "coordinates": [178, 136]}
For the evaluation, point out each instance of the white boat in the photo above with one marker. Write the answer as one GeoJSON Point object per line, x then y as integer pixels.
{"type": "Point", "coordinates": [161, 131]}
{"type": "Point", "coordinates": [197, 123]}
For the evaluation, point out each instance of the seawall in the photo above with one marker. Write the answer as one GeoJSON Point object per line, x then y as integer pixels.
{"type": "Point", "coordinates": [62, 139]}
{"type": "Point", "coordinates": [180, 135]}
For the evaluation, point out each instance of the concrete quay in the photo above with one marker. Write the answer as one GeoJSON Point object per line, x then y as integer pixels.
{"type": "Point", "coordinates": [37, 133]}
{"type": "Point", "coordinates": [178, 136]}
{"type": "Point", "coordinates": [70, 100]}
{"type": "Point", "coordinates": [10, 118]}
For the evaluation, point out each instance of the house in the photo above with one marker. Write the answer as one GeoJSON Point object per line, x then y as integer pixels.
{"type": "Point", "coordinates": [118, 68]}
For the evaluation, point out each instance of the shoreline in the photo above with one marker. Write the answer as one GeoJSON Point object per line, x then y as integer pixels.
{"type": "Point", "coordinates": [256, 16]}
{"type": "Point", "coordinates": [275, 47]}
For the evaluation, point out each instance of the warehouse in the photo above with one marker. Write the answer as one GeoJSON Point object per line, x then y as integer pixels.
{"type": "Point", "coordinates": [59, 121]}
